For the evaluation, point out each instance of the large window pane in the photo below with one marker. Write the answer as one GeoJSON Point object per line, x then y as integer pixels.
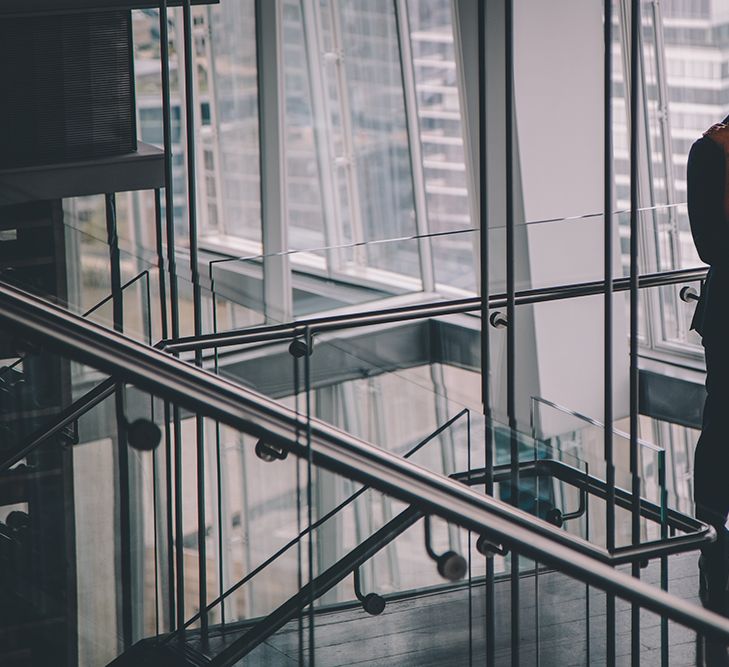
{"type": "Point", "coordinates": [441, 137]}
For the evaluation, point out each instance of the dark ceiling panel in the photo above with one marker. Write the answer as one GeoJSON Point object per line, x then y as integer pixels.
{"type": "Point", "coordinates": [141, 170]}
{"type": "Point", "coordinates": [24, 7]}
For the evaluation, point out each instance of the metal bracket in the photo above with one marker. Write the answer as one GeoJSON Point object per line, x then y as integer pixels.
{"type": "Point", "coordinates": [299, 347]}
{"type": "Point", "coordinates": [688, 293]}
{"type": "Point", "coordinates": [490, 549]}
{"type": "Point", "coordinates": [498, 320]}
{"type": "Point", "coordinates": [451, 565]}
{"type": "Point", "coordinates": [558, 518]}
{"type": "Point", "coordinates": [372, 603]}
{"type": "Point", "coordinates": [143, 434]}
{"type": "Point", "coordinates": [268, 452]}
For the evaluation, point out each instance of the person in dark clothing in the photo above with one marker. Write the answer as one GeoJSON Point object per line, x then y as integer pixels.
{"type": "Point", "coordinates": [708, 207]}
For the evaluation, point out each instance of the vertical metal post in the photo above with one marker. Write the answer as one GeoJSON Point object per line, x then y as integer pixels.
{"type": "Point", "coordinates": [169, 198]}
{"type": "Point", "coordinates": [635, 28]}
{"type": "Point", "coordinates": [155, 527]}
{"type": "Point", "coordinates": [159, 240]}
{"type": "Point", "coordinates": [511, 312]}
{"type": "Point", "coordinates": [221, 525]}
{"type": "Point", "coordinates": [218, 466]}
{"type": "Point", "coordinates": [309, 495]}
{"type": "Point", "coordinates": [299, 530]}
{"type": "Point", "coordinates": [664, 560]}
{"type": "Point", "coordinates": [470, 547]}
{"type": "Point", "coordinates": [608, 311]}
{"type": "Point", "coordinates": [485, 340]}
{"type": "Point", "coordinates": [115, 262]}
{"type": "Point", "coordinates": [167, 577]}
{"type": "Point", "coordinates": [190, 103]}
{"type": "Point", "coordinates": [169, 520]}
{"type": "Point", "coordinates": [538, 512]}
{"type": "Point", "coordinates": [122, 452]}
{"type": "Point", "coordinates": [588, 630]}
{"type": "Point", "coordinates": [179, 566]}
{"type": "Point", "coordinates": [179, 527]}
{"type": "Point", "coordinates": [158, 580]}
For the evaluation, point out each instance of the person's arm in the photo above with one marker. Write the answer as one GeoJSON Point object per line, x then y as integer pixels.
{"type": "Point", "coordinates": [719, 134]}
{"type": "Point", "coordinates": [707, 206]}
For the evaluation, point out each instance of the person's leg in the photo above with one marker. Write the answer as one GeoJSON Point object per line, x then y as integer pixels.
{"type": "Point", "coordinates": [711, 468]}
{"type": "Point", "coordinates": [711, 459]}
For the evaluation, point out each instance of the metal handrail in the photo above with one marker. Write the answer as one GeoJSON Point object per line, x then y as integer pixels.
{"type": "Point", "coordinates": [267, 626]}
{"type": "Point", "coordinates": [419, 311]}
{"type": "Point", "coordinates": [309, 529]}
{"type": "Point", "coordinates": [65, 417]}
{"type": "Point", "coordinates": [78, 408]}
{"type": "Point", "coordinates": [243, 409]}
{"type": "Point", "coordinates": [90, 311]}
{"type": "Point", "coordinates": [333, 575]}
{"type": "Point", "coordinates": [695, 533]}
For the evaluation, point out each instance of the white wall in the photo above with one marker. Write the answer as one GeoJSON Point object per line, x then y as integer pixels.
{"type": "Point", "coordinates": [559, 173]}
{"type": "Point", "coordinates": [559, 121]}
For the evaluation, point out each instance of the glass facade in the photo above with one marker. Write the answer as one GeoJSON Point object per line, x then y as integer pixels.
{"type": "Point", "coordinates": [375, 143]}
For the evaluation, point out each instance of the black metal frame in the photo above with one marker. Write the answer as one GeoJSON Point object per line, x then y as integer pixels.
{"type": "Point", "coordinates": [608, 306]}
{"type": "Point", "coordinates": [695, 532]}
{"type": "Point", "coordinates": [199, 391]}
{"type": "Point", "coordinates": [266, 627]}
{"type": "Point", "coordinates": [207, 395]}
{"type": "Point", "coordinates": [660, 549]}
{"type": "Point", "coordinates": [270, 333]}
{"type": "Point", "coordinates": [635, 60]}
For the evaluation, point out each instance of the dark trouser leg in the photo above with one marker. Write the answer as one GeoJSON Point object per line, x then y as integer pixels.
{"type": "Point", "coordinates": [711, 459]}
{"type": "Point", "coordinates": [711, 472]}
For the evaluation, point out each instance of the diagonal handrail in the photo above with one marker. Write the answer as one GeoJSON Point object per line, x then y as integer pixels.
{"type": "Point", "coordinates": [67, 416]}
{"type": "Point", "coordinates": [78, 408]}
{"type": "Point", "coordinates": [267, 626]}
{"type": "Point", "coordinates": [241, 582]}
{"type": "Point", "coordinates": [243, 409]}
{"type": "Point", "coordinates": [336, 573]}
{"type": "Point", "coordinates": [90, 311]}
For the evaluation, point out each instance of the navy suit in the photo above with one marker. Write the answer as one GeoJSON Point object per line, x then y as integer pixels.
{"type": "Point", "coordinates": [710, 228]}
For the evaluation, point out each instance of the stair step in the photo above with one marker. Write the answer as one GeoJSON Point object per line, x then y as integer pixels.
{"type": "Point", "coordinates": [150, 653]}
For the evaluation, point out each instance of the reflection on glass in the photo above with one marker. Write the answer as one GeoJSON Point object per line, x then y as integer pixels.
{"type": "Point", "coordinates": [440, 123]}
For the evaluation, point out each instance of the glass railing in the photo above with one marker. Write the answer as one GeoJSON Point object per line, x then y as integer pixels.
{"type": "Point", "coordinates": [568, 431]}
{"type": "Point", "coordinates": [387, 383]}
{"type": "Point", "coordinates": [393, 386]}
{"type": "Point", "coordinates": [149, 576]}
{"type": "Point", "coordinates": [82, 284]}
{"type": "Point", "coordinates": [42, 396]}
{"type": "Point", "coordinates": [444, 261]}
{"type": "Point", "coordinates": [235, 294]}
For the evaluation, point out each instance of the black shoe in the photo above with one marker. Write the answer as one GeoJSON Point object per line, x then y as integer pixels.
{"type": "Point", "coordinates": [713, 582]}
